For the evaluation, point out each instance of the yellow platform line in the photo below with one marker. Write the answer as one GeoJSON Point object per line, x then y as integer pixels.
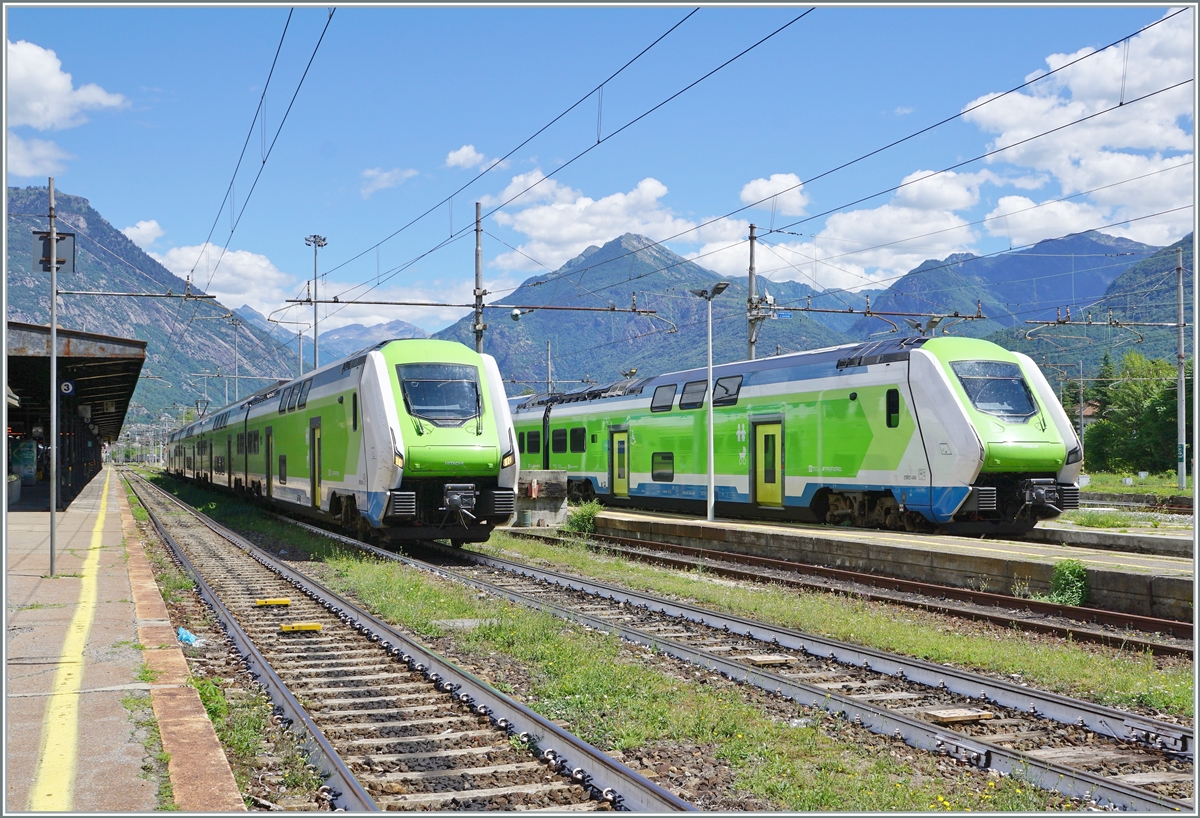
{"type": "Point", "coordinates": [54, 787]}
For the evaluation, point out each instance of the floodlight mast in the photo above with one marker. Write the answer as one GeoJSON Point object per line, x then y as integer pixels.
{"type": "Point", "coordinates": [708, 295]}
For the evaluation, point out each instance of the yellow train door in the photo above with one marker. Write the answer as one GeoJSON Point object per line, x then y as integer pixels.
{"type": "Point", "coordinates": [620, 463]}
{"type": "Point", "coordinates": [768, 464]}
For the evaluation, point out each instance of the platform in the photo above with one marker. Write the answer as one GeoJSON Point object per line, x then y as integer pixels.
{"type": "Point", "coordinates": [1144, 584]}
{"type": "Point", "coordinates": [76, 646]}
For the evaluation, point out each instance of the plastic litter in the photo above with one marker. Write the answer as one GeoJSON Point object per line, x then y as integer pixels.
{"type": "Point", "coordinates": [188, 638]}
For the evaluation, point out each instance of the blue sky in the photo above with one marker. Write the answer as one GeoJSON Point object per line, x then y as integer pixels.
{"type": "Point", "coordinates": [144, 111]}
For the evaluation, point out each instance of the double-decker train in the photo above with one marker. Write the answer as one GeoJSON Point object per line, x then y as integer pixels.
{"type": "Point", "coordinates": [410, 439]}
{"type": "Point", "coordinates": [957, 434]}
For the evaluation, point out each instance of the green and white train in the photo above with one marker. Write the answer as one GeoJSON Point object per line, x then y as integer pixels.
{"type": "Point", "coordinates": [410, 439]}
{"type": "Point", "coordinates": [907, 434]}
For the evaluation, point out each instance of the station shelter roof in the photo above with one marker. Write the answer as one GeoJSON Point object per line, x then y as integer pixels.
{"type": "Point", "coordinates": [103, 370]}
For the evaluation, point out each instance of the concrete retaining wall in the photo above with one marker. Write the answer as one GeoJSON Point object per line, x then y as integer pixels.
{"type": "Point", "coordinates": [1137, 593]}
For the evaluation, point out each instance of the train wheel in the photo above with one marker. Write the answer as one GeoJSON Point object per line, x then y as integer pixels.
{"type": "Point", "coordinates": [457, 543]}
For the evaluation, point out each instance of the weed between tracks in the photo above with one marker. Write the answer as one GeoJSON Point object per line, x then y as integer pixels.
{"type": "Point", "coordinates": [1121, 679]}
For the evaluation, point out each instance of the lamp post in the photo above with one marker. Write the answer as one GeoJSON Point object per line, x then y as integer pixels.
{"type": "Point", "coordinates": [315, 242]}
{"type": "Point", "coordinates": [708, 295]}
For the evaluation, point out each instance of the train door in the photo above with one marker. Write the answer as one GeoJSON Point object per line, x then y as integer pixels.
{"type": "Point", "coordinates": [768, 464]}
{"type": "Point", "coordinates": [314, 465]}
{"type": "Point", "coordinates": [208, 450]}
{"type": "Point", "coordinates": [229, 460]}
{"type": "Point", "coordinates": [546, 437]}
{"type": "Point", "coordinates": [269, 449]}
{"type": "Point", "coordinates": [620, 464]}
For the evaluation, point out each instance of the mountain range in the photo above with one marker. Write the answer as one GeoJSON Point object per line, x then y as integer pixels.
{"type": "Point", "coordinates": [602, 343]}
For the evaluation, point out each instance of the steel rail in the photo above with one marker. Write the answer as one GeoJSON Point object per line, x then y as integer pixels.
{"type": "Point", "coordinates": [1180, 630]}
{"type": "Point", "coordinates": [607, 778]}
{"type": "Point", "coordinates": [1103, 720]}
{"type": "Point", "coordinates": [985, 755]}
{"type": "Point", "coordinates": [922, 735]}
{"type": "Point", "coordinates": [347, 792]}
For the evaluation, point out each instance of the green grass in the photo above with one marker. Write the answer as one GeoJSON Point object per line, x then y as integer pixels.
{"type": "Point", "coordinates": [1108, 518]}
{"type": "Point", "coordinates": [147, 674]}
{"type": "Point", "coordinates": [154, 763]}
{"type": "Point", "coordinates": [1163, 484]}
{"type": "Point", "coordinates": [618, 703]}
{"type": "Point", "coordinates": [135, 506]}
{"type": "Point", "coordinates": [241, 725]}
{"type": "Point", "coordinates": [1125, 679]}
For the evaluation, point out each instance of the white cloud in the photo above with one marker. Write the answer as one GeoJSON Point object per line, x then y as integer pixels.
{"type": "Point", "coordinates": [379, 179]}
{"type": "Point", "coordinates": [144, 233]}
{"type": "Point", "coordinates": [465, 157]}
{"type": "Point", "coordinates": [561, 222]}
{"type": "Point", "coordinates": [468, 157]}
{"type": "Point", "coordinates": [34, 157]}
{"type": "Point", "coordinates": [783, 191]}
{"type": "Point", "coordinates": [903, 111]}
{"type": "Point", "coordinates": [242, 277]}
{"type": "Point", "coordinates": [945, 191]}
{"type": "Point", "coordinates": [40, 94]}
{"type": "Point", "coordinates": [1135, 139]}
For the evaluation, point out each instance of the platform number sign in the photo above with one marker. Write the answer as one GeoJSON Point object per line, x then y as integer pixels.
{"type": "Point", "coordinates": [67, 388]}
{"type": "Point", "coordinates": [64, 251]}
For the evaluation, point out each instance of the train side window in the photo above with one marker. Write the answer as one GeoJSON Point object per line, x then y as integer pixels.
{"type": "Point", "coordinates": [521, 442]}
{"type": "Point", "coordinates": [558, 441]}
{"type": "Point", "coordinates": [241, 443]}
{"type": "Point", "coordinates": [664, 396]}
{"type": "Point", "coordinates": [693, 395]}
{"type": "Point", "coordinates": [354, 409]}
{"type": "Point", "coordinates": [283, 399]}
{"type": "Point", "coordinates": [282, 469]}
{"type": "Point", "coordinates": [295, 396]}
{"type": "Point", "coordinates": [534, 442]}
{"type": "Point", "coordinates": [725, 391]}
{"type": "Point", "coordinates": [893, 408]}
{"type": "Point", "coordinates": [662, 467]}
{"type": "Point", "coordinates": [304, 387]}
{"type": "Point", "coordinates": [578, 439]}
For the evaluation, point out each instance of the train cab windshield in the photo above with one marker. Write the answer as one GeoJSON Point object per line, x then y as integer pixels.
{"type": "Point", "coordinates": [996, 388]}
{"type": "Point", "coordinates": [443, 394]}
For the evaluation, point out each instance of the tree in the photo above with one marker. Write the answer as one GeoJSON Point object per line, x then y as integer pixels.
{"type": "Point", "coordinates": [1137, 430]}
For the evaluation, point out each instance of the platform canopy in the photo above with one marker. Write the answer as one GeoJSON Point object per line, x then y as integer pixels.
{"type": "Point", "coordinates": [102, 370]}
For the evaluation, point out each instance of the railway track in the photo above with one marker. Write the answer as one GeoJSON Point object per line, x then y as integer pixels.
{"type": "Point", "coordinates": [392, 725]}
{"type": "Point", "coordinates": [1082, 750]}
{"type": "Point", "coordinates": [1094, 625]}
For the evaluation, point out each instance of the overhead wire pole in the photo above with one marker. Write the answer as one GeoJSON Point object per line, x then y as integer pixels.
{"type": "Point", "coordinates": [53, 380]}
{"type": "Point", "coordinates": [479, 291]}
{"type": "Point", "coordinates": [751, 304]}
{"type": "Point", "coordinates": [1180, 394]}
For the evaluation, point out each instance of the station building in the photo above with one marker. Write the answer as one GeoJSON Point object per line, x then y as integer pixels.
{"type": "Point", "coordinates": [97, 375]}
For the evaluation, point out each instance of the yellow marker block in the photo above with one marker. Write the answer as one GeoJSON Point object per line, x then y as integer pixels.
{"type": "Point", "coordinates": [300, 626]}
{"type": "Point", "coordinates": [281, 600]}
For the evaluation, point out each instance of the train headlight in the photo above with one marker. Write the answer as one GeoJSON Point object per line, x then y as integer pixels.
{"type": "Point", "coordinates": [398, 459]}
{"type": "Point", "coordinates": [508, 460]}
{"type": "Point", "coordinates": [1074, 456]}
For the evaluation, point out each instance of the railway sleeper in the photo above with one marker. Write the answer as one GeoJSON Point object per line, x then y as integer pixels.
{"type": "Point", "coordinates": [468, 775]}
{"type": "Point", "coordinates": [403, 729]}
{"type": "Point", "coordinates": [424, 744]}
{"type": "Point", "coordinates": [445, 759]}
{"type": "Point", "coordinates": [511, 797]}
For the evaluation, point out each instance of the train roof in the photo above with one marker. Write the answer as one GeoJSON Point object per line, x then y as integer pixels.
{"type": "Point", "coordinates": [834, 358]}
